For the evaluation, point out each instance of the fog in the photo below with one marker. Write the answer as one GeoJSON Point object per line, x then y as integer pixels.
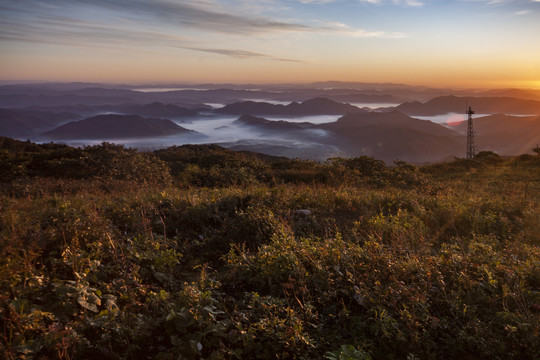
{"type": "Point", "coordinates": [219, 130]}
{"type": "Point", "coordinates": [215, 105]}
{"type": "Point", "coordinates": [270, 101]}
{"type": "Point", "coordinates": [162, 89]}
{"type": "Point", "coordinates": [314, 119]}
{"type": "Point", "coordinates": [374, 106]}
{"type": "Point", "coordinates": [222, 130]}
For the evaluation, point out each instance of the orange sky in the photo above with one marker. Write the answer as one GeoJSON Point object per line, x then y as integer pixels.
{"type": "Point", "coordinates": [460, 43]}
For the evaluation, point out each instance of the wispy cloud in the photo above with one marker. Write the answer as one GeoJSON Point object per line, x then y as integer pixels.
{"type": "Point", "coordinates": [521, 3]}
{"type": "Point", "coordinates": [64, 30]}
{"type": "Point", "coordinates": [201, 15]}
{"type": "Point", "coordinates": [241, 54]}
{"type": "Point", "coordinates": [413, 3]}
{"type": "Point", "coordinates": [158, 22]}
{"type": "Point", "coordinates": [337, 27]}
{"type": "Point", "coordinates": [489, 2]}
{"type": "Point", "coordinates": [317, 1]}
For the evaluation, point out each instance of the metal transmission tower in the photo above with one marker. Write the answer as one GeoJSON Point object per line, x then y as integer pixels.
{"type": "Point", "coordinates": [470, 135]}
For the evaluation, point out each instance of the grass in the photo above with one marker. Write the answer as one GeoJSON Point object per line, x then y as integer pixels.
{"type": "Point", "coordinates": [440, 261]}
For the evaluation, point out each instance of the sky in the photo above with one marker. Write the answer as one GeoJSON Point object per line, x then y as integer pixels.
{"type": "Point", "coordinates": [456, 43]}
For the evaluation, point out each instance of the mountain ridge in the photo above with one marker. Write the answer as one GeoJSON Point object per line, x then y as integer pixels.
{"type": "Point", "coordinates": [116, 126]}
{"type": "Point", "coordinates": [315, 106]}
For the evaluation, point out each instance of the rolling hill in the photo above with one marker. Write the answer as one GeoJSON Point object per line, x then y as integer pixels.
{"type": "Point", "coordinates": [156, 109]}
{"type": "Point", "coordinates": [116, 126]}
{"type": "Point", "coordinates": [505, 135]}
{"type": "Point", "coordinates": [391, 136]}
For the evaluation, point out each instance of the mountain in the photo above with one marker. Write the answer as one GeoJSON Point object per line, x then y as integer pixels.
{"type": "Point", "coordinates": [156, 109]}
{"type": "Point", "coordinates": [99, 91]}
{"type": "Point", "coordinates": [116, 127]}
{"type": "Point", "coordinates": [386, 136]}
{"type": "Point", "coordinates": [388, 120]}
{"type": "Point", "coordinates": [273, 125]}
{"type": "Point", "coordinates": [393, 135]}
{"type": "Point", "coordinates": [23, 100]}
{"type": "Point", "coordinates": [28, 123]}
{"type": "Point", "coordinates": [503, 134]}
{"type": "Point", "coordinates": [514, 93]}
{"type": "Point", "coordinates": [317, 106]}
{"type": "Point", "coordinates": [14, 124]}
{"type": "Point", "coordinates": [481, 105]}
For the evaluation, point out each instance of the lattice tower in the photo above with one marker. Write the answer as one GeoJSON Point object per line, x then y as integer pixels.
{"type": "Point", "coordinates": [470, 135]}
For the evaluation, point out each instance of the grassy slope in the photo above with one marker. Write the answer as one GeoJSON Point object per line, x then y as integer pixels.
{"type": "Point", "coordinates": [391, 263]}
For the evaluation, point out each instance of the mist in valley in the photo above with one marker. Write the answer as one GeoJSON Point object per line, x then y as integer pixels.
{"type": "Point", "coordinates": [310, 123]}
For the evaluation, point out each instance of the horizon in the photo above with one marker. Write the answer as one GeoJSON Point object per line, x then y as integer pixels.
{"type": "Point", "coordinates": [445, 44]}
{"type": "Point", "coordinates": [172, 84]}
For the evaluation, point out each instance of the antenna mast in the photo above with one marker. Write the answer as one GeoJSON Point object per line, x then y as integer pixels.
{"type": "Point", "coordinates": [470, 135]}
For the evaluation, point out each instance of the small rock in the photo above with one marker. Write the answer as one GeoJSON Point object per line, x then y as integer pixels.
{"type": "Point", "coordinates": [303, 212]}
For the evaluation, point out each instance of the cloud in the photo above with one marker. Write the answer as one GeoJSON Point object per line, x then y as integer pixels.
{"type": "Point", "coordinates": [413, 3]}
{"type": "Point", "coordinates": [241, 54]}
{"type": "Point", "coordinates": [337, 27]}
{"type": "Point", "coordinates": [158, 22]}
{"type": "Point", "coordinates": [201, 15]}
{"type": "Point", "coordinates": [63, 30]}
{"type": "Point", "coordinates": [317, 1]}
{"type": "Point", "coordinates": [489, 2]}
{"type": "Point", "coordinates": [521, 3]}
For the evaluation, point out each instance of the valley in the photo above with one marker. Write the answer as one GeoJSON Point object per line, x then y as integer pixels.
{"type": "Point", "coordinates": [308, 122]}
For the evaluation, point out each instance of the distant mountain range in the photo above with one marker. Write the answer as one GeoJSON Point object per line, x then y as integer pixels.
{"type": "Point", "coordinates": [272, 125]}
{"type": "Point", "coordinates": [28, 123]}
{"type": "Point", "coordinates": [154, 109]}
{"type": "Point", "coordinates": [481, 105]}
{"type": "Point", "coordinates": [317, 106]}
{"type": "Point", "coordinates": [104, 127]}
{"type": "Point", "coordinates": [79, 111]}
{"type": "Point", "coordinates": [49, 95]}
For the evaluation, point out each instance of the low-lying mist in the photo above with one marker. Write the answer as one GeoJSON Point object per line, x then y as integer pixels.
{"type": "Point", "coordinates": [223, 130]}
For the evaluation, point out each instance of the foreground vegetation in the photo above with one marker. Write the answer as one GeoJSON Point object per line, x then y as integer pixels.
{"type": "Point", "coordinates": [197, 252]}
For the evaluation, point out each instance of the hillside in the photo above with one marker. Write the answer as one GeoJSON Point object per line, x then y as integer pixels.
{"type": "Point", "coordinates": [202, 252]}
{"type": "Point", "coordinates": [506, 135]}
{"type": "Point", "coordinates": [387, 136]}
{"type": "Point", "coordinates": [115, 126]}
{"type": "Point", "coordinates": [391, 136]}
